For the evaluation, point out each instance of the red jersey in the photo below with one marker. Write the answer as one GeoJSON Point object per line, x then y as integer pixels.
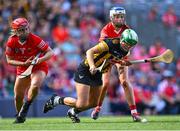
{"type": "Point", "coordinates": [109, 31]}
{"type": "Point", "coordinates": [21, 52]}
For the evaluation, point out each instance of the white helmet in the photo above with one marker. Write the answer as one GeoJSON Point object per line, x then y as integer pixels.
{"type": "Point", "coordinates": [116, 10]}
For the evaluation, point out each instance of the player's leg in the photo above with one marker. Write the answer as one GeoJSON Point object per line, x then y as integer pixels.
{"type": "Point", "coordinates": [129, 93]}
{"type": "Point", "coordinates": [20, 87]}
{"type": "Point", "coordinates": [37, 79]}
{"type": "Point", "coordinates": [124, 81]}
{"type": "Point", "coordinates": [78, 105]}
{"type": "Point", "coordinates": [81, 100]}
{"type": "Point", "coordinates": [105, 78]}
{"type": "Point", "coordinates": [55, 100]}
{"type": "Point", "coordinates": [95, 112]}
{"type": "Point", "coordinates": [93, 96]}
{"type": "Point", "coordinates": [81, 103]}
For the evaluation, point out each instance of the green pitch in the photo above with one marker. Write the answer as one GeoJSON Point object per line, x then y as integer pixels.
{"type": "Point", "coordinates": [103, 123]}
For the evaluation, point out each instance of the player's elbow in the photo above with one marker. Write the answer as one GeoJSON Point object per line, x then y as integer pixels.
{"type": "Point", "coordinates": [88, 52]}
{"type": "Point", "coordinates": [51, 53]}
{"type": "Point", "coordinates": [9, 60]}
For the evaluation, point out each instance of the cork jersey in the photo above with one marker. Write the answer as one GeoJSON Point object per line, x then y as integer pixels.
{"type": "Point", "coordinates": [109, 31]}
{"type": "Point", "coordinates": [21, 52]}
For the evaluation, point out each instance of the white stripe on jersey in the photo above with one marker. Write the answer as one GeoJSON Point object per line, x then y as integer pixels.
{"type": "Point", "coordinates": [42, 44]}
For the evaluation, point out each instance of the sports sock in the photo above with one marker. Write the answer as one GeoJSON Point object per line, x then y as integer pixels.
{"type": "Point", "coordinates": [58, 100]}
{"type": "Point", "coordinates": [97, 108]}
{"type": "Point", "coordinates": [25, 108]}
{"type": "Point", "coordinates": [75, 111]}
{"type": "Point", "coordinates": [133, 109]}
{"type": "Point", "coordinates": [61, 100]}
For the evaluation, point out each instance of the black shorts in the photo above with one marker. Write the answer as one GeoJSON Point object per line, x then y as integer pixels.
{"type": "Point", "coordinates": [83, 76]}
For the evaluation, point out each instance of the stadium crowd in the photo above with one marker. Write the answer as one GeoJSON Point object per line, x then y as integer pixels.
{"type": "Point", "coordinates": [71, 27]}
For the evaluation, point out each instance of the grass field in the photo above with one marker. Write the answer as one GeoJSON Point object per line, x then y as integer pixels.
{"type": "Point", "coordinates": [104, 123]}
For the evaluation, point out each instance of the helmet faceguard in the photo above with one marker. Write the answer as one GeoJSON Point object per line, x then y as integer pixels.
{"type": "Point", "coordinates": [20, 27]}
{"type": "Point", "coordinates": [129, 38]}
{"type": "Point", "coordinates": [117, 16]}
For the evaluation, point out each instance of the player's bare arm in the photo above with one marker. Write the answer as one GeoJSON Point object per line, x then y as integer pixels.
{"type": "Point", "coordinates": [11, 61]}
{"type": "Point", "coordinates": [47, 56]}
{"type": "Point", "coordinates": [101, 47]}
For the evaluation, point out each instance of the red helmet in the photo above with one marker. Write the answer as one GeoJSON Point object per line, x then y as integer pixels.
{"type": "Point", "coordinates": [19, 22]}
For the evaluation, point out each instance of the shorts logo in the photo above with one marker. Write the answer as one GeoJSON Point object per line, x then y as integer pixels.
{"type": "Point", "coordinates": [81, 76]}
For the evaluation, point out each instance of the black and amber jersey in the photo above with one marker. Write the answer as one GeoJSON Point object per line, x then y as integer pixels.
{"type": "Point", "coordinates": [108, 49]}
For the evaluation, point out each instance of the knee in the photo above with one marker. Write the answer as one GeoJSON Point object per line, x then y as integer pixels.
{"type": "Point", "coordinates": [106, 83]}
{"type": "Point", "coordinates": [34, 88]}
{"type": "Point", "coordinates": [35, 85]}
{"type": "Point", "coordinates": [81, 105]}
{"type": "Point", "coordinates": [125, 84]}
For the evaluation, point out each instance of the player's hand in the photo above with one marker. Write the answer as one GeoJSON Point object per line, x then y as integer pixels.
{"type": "Point", "coordinates": [37, 61]}
{"type": "Point", "coordinates": [126, 63]}
{"type": "Point", "coordinates": [28, 61]}
{"type": "Point", "coordinates": [121, 62]}
{"type": "Point", "coordinates": [93, 70]}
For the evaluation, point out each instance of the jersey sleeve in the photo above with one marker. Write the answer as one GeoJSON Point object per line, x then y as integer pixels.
{"type": "Point", "coordinates": [102, 46]}
{"type": "Point", "coordinates": [103, 34]}
{"type": "Point", "coordinates": [41, 44]}
{"type": "Point", "coordinates": [9, 48]}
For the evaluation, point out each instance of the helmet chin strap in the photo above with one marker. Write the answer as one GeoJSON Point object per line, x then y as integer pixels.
{"type": "Point", "coordinates": [124, 47]}
{"type": "Point", "coordinates": [22, 39]}
{"type": "Point", "coordinates": [118, 25]}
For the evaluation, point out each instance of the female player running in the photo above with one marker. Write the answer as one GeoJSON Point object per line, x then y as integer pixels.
{"type": "Point", "coordinates": [22, 46]}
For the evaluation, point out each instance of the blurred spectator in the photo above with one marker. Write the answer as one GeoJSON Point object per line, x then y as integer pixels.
{"type": "Point", "coordinates": [178, 25]}
{"type": "Point", "coordinates": [9, 85]}
{"type": "Point", "coordinates": [156, 48]}
{"type": "Point", "coordinates": [140, 52]}
{"type": "Point", "coordinates": [60, 33]}
{"type": "Point", "coordinates": [139, 92]}
{"type": "Point", "coordinates": [178, 71]}
{"type": "Point", "coordinates": [168, 90]}
{"type": "Point", "coordinates": [153, 13]}
{"type": "Point", "coordinates": [169, 18]}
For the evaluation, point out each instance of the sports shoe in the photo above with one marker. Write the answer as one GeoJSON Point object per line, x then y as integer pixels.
{"type": "Point", "coordinates": [19, 120]}
{"type": "Point", "coordinates": [73, 116]}
{"type": "Point", "coordinates": [21, 116]}
{"type": "Point", "coordinates": [49, 105]}
{"type": "Point", "coordinates": [137, 118]}
{"type": "Point", "coordinates": [95, 113]}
